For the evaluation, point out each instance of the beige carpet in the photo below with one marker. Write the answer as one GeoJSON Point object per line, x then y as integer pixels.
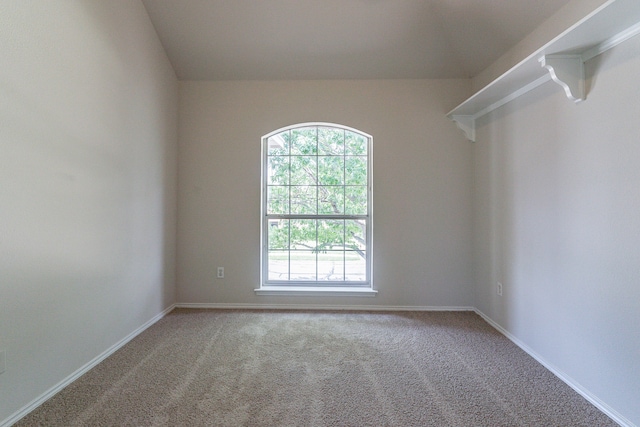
{"type": "Point", "coordinates": [276, 368]}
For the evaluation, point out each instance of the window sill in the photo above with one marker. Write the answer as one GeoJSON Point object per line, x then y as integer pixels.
{"type": "Point", "coordinates": [324, 291]}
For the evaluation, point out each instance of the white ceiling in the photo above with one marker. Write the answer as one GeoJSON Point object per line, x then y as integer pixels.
{"type": "Point", "coordinates": [340, 39]}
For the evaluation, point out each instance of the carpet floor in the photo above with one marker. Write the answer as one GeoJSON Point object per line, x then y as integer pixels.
{"type": "Point", "coordinates": [305, 368]}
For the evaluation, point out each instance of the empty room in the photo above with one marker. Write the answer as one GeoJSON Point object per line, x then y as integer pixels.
{"type": "Point", "coordinates": [319, 213]}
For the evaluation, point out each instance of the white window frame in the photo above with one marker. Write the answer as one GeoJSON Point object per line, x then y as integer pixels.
{"type": "Point", "coordinates": [324, 288]}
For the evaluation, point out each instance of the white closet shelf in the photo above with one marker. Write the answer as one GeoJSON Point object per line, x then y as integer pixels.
{"type": "Point", "coordinates": [560, 60]}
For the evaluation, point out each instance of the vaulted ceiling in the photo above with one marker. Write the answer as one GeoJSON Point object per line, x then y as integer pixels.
{"type": "Point", "coordinates": [341, 39]}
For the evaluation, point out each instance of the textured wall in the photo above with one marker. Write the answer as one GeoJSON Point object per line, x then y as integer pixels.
{"type": "Point", "coordinates": [88, 128]}
{"type": "Point", "coordinates": [421, 185]}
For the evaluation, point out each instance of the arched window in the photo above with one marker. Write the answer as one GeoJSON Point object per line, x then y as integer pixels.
{"type": "Point", "coordinates": [316, 207]}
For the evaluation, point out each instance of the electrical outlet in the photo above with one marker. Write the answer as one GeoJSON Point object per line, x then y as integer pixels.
{"type": "Point", "coordinates": [499, 289]}
{"type": "Point", "coordinates": [220, 272]}
{"type": "Point", "coordinates": [3, 361]}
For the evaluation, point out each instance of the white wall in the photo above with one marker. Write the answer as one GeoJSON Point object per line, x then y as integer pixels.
{"type": "Point", "coordinates": [421, 186]}
{"type": "Point", "coordinates": [557, 221]}
{"type": "Point", "coordinates": [88, 131]}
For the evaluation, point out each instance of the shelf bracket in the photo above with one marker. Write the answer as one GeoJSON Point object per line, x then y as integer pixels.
{"type": "Point", "coordinates": [467, 124]}
{"type": "Point", "coordinates": [568, 72]}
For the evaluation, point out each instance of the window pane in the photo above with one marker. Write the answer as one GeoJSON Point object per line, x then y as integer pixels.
{"type": "Point", "coordinates": [355, 144]}
{"type": "Point", "coordinates": [304, 170]}
{"type": "Point", "coordinates": [355, 170]}
{"type": "Point", "coordinates": [279, 234]}
{"type": "Point", "coordinates": [330, 234]}
{"type": "Point", "coordinates": [304, 141]}
{"type": "Point", "coordinates": [278, 170]}
{"type": "Point", "coordinates": [355, 266]}
{"type": "Point", "coordinates": [331, 200]}
{"type": "Point", "coordinates": [278, 144]}
{"type": "Point", "coordinates": [303, 234]}
{"type": "Point", "coordinates": [277, 200]}
{"type": "Point", "coordinates": [355, 200]}
{"type": "Point", "coordinates": [303, 265]}
{"type": "Point", "coordinates": [304, 200]}
{"type": "Point", "coordinates": [278, 265]}
{"type": "Point", "coordinates": [355, 232]}
{"type": "Point", "coordinates": [331, 266]}
{"type": "Point", "coordinates": [331, 170]}
{"type": "Point", "coordinates": [330, 141]}
{"type": "Point", "coordinates": [331, 250]}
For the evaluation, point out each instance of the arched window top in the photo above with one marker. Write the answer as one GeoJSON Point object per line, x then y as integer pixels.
{"type": "Point", "coordinates": [318, 138]}
{"type": "Point", "coordinates": [317, 124]}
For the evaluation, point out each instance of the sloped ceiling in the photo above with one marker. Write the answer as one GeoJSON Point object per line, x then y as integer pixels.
{"type": "Point", "coordinates": [341, 39]}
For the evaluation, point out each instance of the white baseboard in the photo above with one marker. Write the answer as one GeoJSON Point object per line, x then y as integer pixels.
{"type": "Point", "coordinates": [319, 307]}
{"type": "Point", "coordinates": [595, 401]}
{"type": "Point", "coordinates": [83, 370]}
